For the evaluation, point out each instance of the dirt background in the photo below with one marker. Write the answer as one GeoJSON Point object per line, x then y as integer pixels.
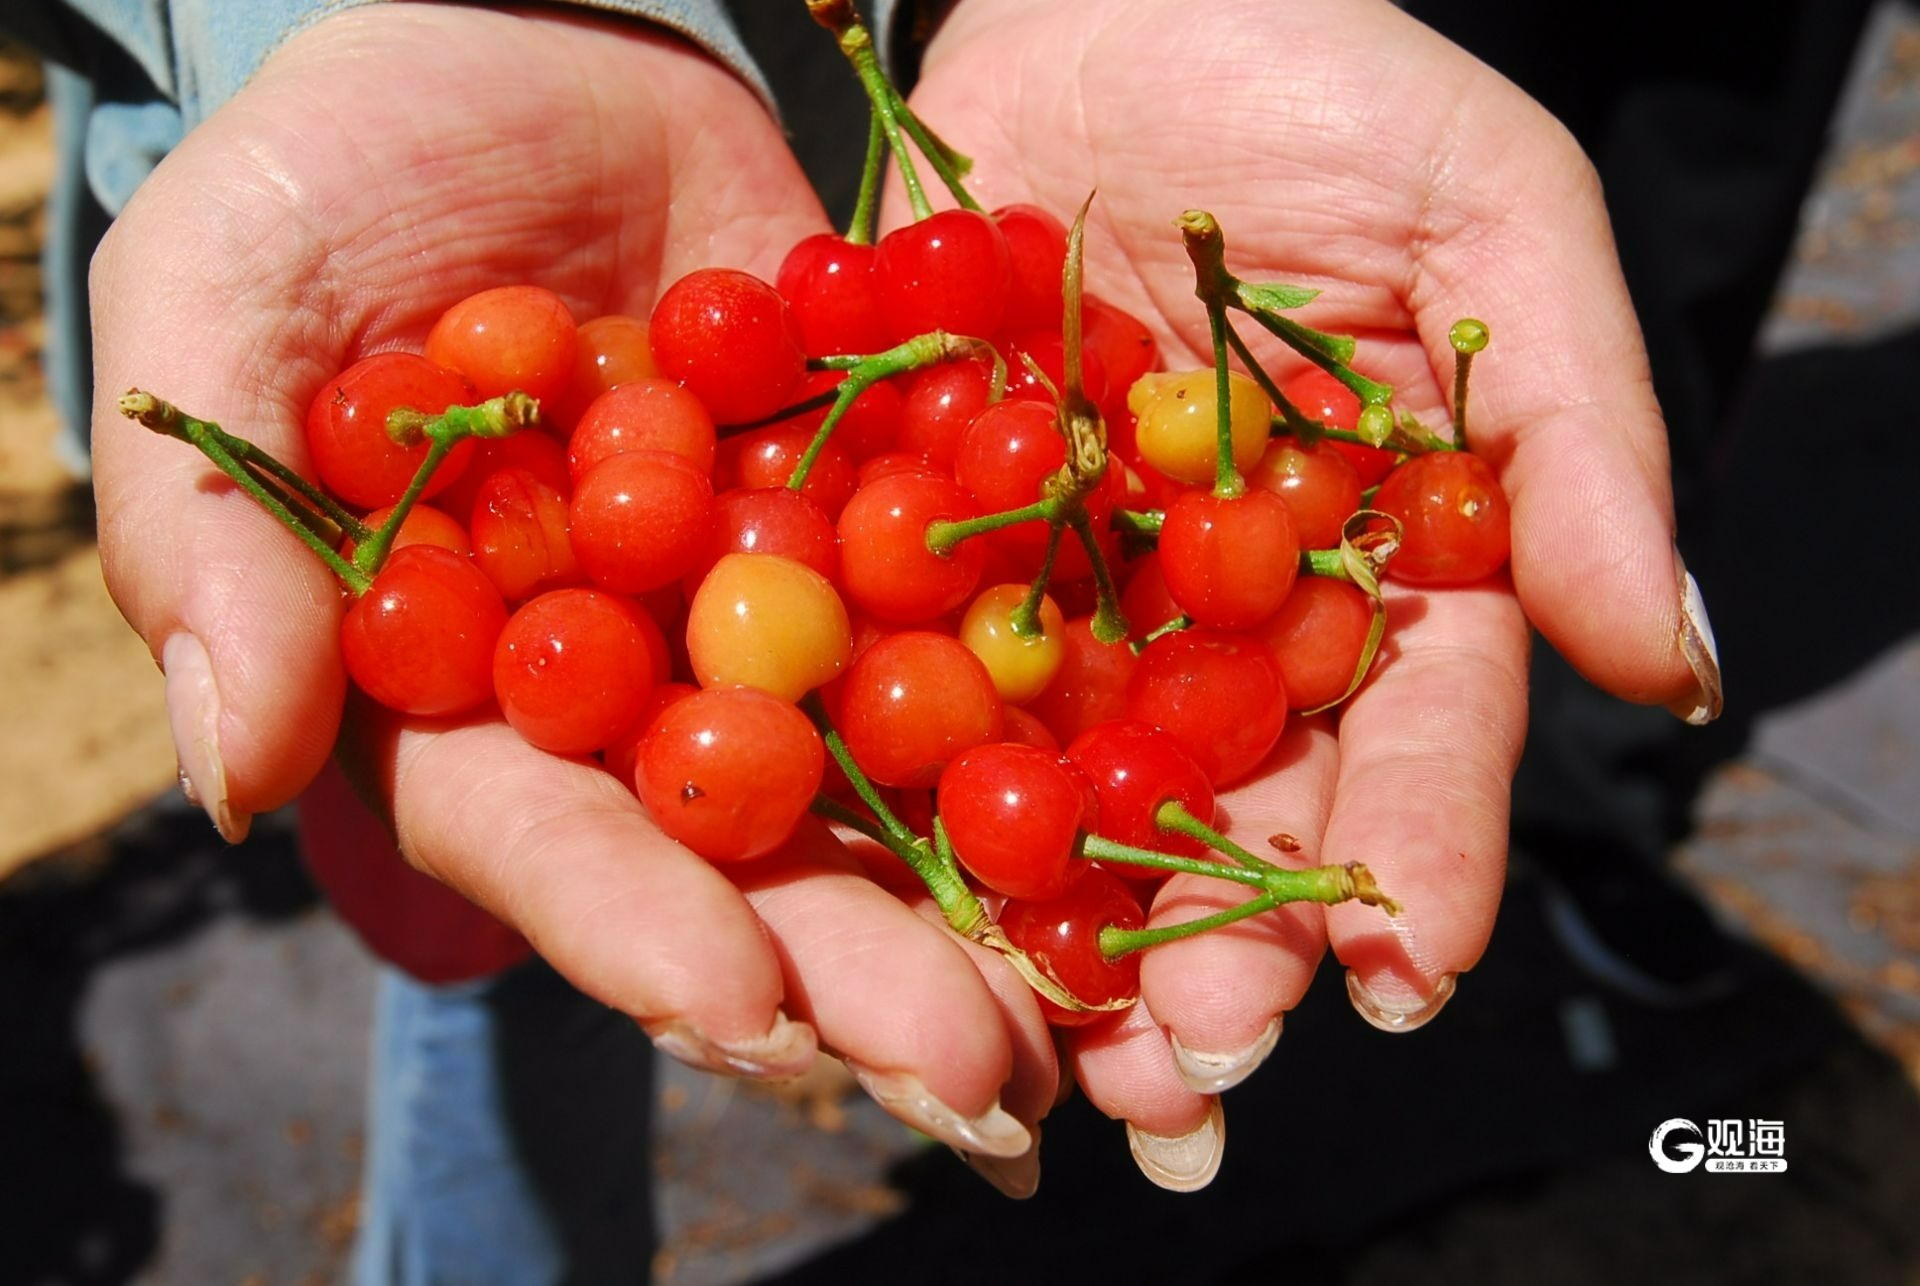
{"type": "Point", "coordinates": [81, 703]}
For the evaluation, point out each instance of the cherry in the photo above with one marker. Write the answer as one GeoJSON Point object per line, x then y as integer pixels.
{"type": "Point", "coordinates": [1178, 432]}
{"type": "Point", "coordinates": [508, 338]}
{"type": "Point", "coordinates": [947, 272]}
{"type": "Point", "coordinates": [1218, 694]}
{"type": "Point", "coordinates": [1014, 815]}
{"type": "Point", "coordinates": [1321, 488]}
{"type": "Point", "coordinates": [1317, 638]}
{"type": "Point", "coordinates": [729, 772]}
{"type": "Point", "coordinates": [1229, 563]}
{"type": "Point", "coordinates": [421, 639]}
{"type": "Point", "coordinates": [642, 415]}
{"type": "Point", "coordinates": [641, 519]}
{"type": "Point", "coordinates": [573, 668]}
{"type": "Point", "coordinates": [828, 281]}
{"type": "Point", "coordinates": [1454, 518]}
{"type": "Point", "coordinates": [1090, 686]}
{"type": "Point", "coordinates": [1322, 397]}
{"type": "Point", "coordinates": [770, 520]}
{"type": "Point", "coordinates": [613, 350]}
{"type": "Point", "coordinates": [885, 565]}
{"type": "Point", "coordinates": [538, 453]}
{"type": "Point", "coordinates": [423, 525]}
{"type": "Point", "coordinates": [1135, 768]}
{"type": "Point", "coordinates": [1036, 262]}
{"type": "Point", "coordinates": [1062, 936]}
{"type": "Point", "coordinates": [622, 754]}
{"type": "Point", "coordinates": [1021, 665]}
{"type": "Point", "coordinates": [520, 535]}
{"type": "Point", "coordinates": [763, 621]}
{"type": "Point", "coordinates": [911, 702]}
{"type": "Point", "coordinates": [939, 404]}
{"type": "Point", "coordinates": [731, 340]}
{"type": "Point", "coordinates": [347, 428]}
{"type": "Point", "coordinates": [766, 458]}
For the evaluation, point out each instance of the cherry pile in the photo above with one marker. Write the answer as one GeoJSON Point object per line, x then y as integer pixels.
{"type": "Point", "coordinates": [917, 537]}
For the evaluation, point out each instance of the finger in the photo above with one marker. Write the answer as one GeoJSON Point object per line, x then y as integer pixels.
{"type": "Point", "coordinates": [900, 1001]}
{"type": "Point", "coordinates": [1221, 995]}
{"type": "Point", "coordinates": [1126, 1068]}
{"type": "Point", "coordinates": [562, 852]}
{"type": "Point", "coordinates": [1427, 754]}
{"type": "Point", "coordinates": [1563, 399]}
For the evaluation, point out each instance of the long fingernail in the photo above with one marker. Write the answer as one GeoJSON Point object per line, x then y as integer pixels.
{"type": "Point", "coordinates": [193, 712]}
{"type": "Point", "coordinates": [787, 1050]}
{"type": "Point", "coordinates": [1210, 1073]}
{"type": "Point", "coordinates": [1398, 1013]}
{"type": "Point", "coordinates": [1701, 652]}
{"type": "Point", "coordinates": [1187, 1162]}
{"type": "Point", "coordinates": [993, 1133]}
{"type": "Point", "coordinates": [1016, 1177]}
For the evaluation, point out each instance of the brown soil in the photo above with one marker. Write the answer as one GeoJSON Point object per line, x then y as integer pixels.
{"type": "Point", "coordinates": [83, 728]}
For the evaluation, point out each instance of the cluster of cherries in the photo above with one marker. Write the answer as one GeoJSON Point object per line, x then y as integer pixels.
{"type": "Point", "coordinates": [917, 538]}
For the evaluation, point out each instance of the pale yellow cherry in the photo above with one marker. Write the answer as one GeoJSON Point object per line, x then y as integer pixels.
{"type": "Point", "coordinates": [1177, 433]}
{"type": "Point", "coordinates": [1020, 667]}
{"type": "Point", "coordinates": [767, 622]}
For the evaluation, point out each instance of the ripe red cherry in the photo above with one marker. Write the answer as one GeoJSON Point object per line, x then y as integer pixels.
{"type": "Point", "coordinates": [729, 772]}
{"type": "Point", "coordinates": [731, 340]}
{"type": "Point", "coordinates": [911, 702]}
{"type": "Point", "coordinates": [641, 519]}
{"type": "Point", "coordinates": [347, 428]}
{"type": "Point", "coordinates": [766, 458]}
{"type": "Point", "coordinates": [573, 668]}
{"type": "Point", "coordinates": [423, 525]}
{"type": "Point", "coordinates": [828, 282]}
{"type": "Point", "coordinates": [507, 338]}
{"type": "Point", "coordinates": [1317, 637]}
{"type": "Point", "coordinates": [1036, 261]}
{"type": "Point", "coordinates": [1321, 397]}
{"type": "Point", "coordinates": [1135, 768]}
{"type": "Point", "coordinates": [885, 565]}
{"type": "Point", "coordinates": [641, 415]}
{"type": "Point", "coordinates": [1090, 687]}
{"type": "Point", "coordinates": [520, 535]}
{"type": "Point", "coordinates": [1062, 936]}
{"type": "Point", "coordinates": [540, 454]}
{"type": "Point", "coordinates": [868, 427]}
{"type": "Point", "coordinates": [1219, 694]}
{"type": "Point", "coordinates": [1014, 814]}
{"type": "Point", "coordinates": [1321, 488]}
{"type": "Point", "coordinates": [947, 272]}
{"type": "Point", "coordinates": [613, 350]}
{"type": "Point", "coordinates": [1454, 516]}
{"type": "Point", "coordinates": [770, 520]}
{"type": "Point", "coordinates": [939, 404]}
{"type": "Point", "coordinates": [420, 641]}
{"type": "Point", "coordinates": [1229, 563]}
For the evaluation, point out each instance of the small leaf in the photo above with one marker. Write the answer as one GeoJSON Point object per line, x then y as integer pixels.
{"type": "Point", "coordinates": [1275, 296]}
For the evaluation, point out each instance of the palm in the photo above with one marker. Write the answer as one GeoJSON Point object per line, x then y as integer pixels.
{"type": "Point", "coordinates": [1342, 146]}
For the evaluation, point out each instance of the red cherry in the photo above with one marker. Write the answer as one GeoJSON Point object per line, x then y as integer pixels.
{"type": "Point", "coordinates": [420, 641]}
{"type": "Point", "coordinates": [1454, 517]}
{"type": "Point", "coordinates": [642, 415]}
{"type": "Point", "coordinates": [508, 338]}
{"type": "Point", "coordinates": [939, 404]}
{"type": "Point", "coordinates": [828, 282]}
{"type": "Point", "coordinates": [538, 453]}
{"type": "Point", "coordinates": [573, 668]}
{"type": "Point", "coordinates": [1036, 262]}
{"type": "Point", "coordinates": [1321, 488]}
{"type": "Point", "coordinates": [885, 565]}
{"type": "Point", "coordinates": [1014, 814]}
{"type": "Point", "coordinates": [1062, 936]}
{"type": "Point", "coordinates": [770, 520]}
{"type": "Point", "coordinates": [1322, 397]}
{"type": "Point", "coordinates": [766, 458]}
{"type": "Point", "coordinates": [729, 772]}
{"type": "Point", "coordinates": [1091, 685]}
{"type": "Point", "coordinates": [1219, 694]}
{"type": "Point", "coordinates": [947, 272]}
{"type": "Point", "coordinates": [731, 340]}
{"type": "Point", "coordinates": [1135, 768]}
{"type": "Point", "coordinates": [520, 535]}
{"type": "Point", "coordinates": [613, 350]}
{"type": "Point", "coordinates": [641, 519]}
{"type": "Point", "coordinates": [1229, 563]}
{"type": "Point", "coordinates": [347, 428]}
{"type": "Point", "coordinates": [1317, 637]}
{"type": "Point", "coordinates": [911, 702]}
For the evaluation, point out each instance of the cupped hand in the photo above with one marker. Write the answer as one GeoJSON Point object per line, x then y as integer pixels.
{"type": "Point", "coordinates": [1344, 146]}
{"type": "Point", "coordinates": [383, 165]}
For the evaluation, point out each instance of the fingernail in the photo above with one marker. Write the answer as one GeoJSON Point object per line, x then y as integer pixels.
{"type": "Point", "coordinates": [193, 712]}
{"type": "Point", "coordinates": [786, 1051]}
{"type": "Point", "coordinates": [993, 1133]}
{"type": "Point", "coordinates": [1702, 654]}
{"type": "Point", "coordinates": [1016, 1177]}
{"type": "Point", "coordinates": [1407, 1013]}
{"type": "Point", "coordinates": [1209, 1073]}
{"type": "Point", "coordinates": [1186, 1163]}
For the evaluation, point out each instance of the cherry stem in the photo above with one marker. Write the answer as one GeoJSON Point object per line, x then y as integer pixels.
{"type": "Point", "coordinates": [1144, 523]}
{"type": "Point", "coordinates": [1174, 626]}
{"type": "Point", "coordinates": [1116, 942]}
{"type": "Point", "coordinates": [864, 372]}
{"type": "Point", "coordinates": [1173, 816]}
{"type": "Point", "coordinates": [860, 226]}
{"type": "Point", "coordinates": [1100, 849]}
{"type": "Point", "coordinates": [245, 463]}
{"type": "Point", "coordinates": [1109, 624]}
{"type": "Point", "coordinates": [1227, 482]}
{"type": "Point", "coordinates": [1330, 563]}
{"type": "Point", "coordinates": [1352, 882]}
{"type": "Point", "coordinates": [944, 533]}
{"type": "Point", "coordinates": [1468, 337]}
{"type": "Point", "coordinates": [1024, 620]}
{"type": "Point", "coordinates": [840, 17]}
{"type": "Point", "coordinates": [787, 412]}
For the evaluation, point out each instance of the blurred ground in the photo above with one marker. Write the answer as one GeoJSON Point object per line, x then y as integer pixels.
{"type": "Point", "coordinates": [180, 1090]}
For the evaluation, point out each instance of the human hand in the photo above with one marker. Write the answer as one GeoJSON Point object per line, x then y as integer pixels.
{"type": "Point", "coordinates": [382, 166]}
{"type": "Point", "coordinates": [1343, 145]}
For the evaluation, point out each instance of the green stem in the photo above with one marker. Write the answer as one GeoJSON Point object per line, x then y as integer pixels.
{"type": "Point", "coordinates": [370, 554]}
{"type": "Point", "coordinates": [857, 45]}
{"type": "Point", "coordinates": [1145, 523]}
{"type": "Point", "coordinates": [1025, 619]}
{"type": "Point", "coordinates": [1330, 563]}
{"type": "Point", "coordinates": [944, 534]}
{"type": "Point", "coordinates": [860, 227]}
{"type": "Point", "coordinates": [1116, 941]}
{"type": "Point", "coordinates": [1291, 418]}
{"type": "Point", "coordinates": [227, 453]}
{"type": "Point", "coordinates": [1173, 626]}
{"type": "Point", "coordinates": [1468, 337]}
{"type": "Point", "coordinates": [938, 154]}
{"type": "Point", "coordinates": [1109, 624]}
{"type": "Point", "coordinates": [1173, 816]}
{"type": "Point", "coordinates": [1227, 482]}
{"type": "Point", "coordinates": [1100, 849]}
{"type": "Point", "coordinates": [864, 372]}
{"type": "Point", "coordinates": [1324, 884]}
